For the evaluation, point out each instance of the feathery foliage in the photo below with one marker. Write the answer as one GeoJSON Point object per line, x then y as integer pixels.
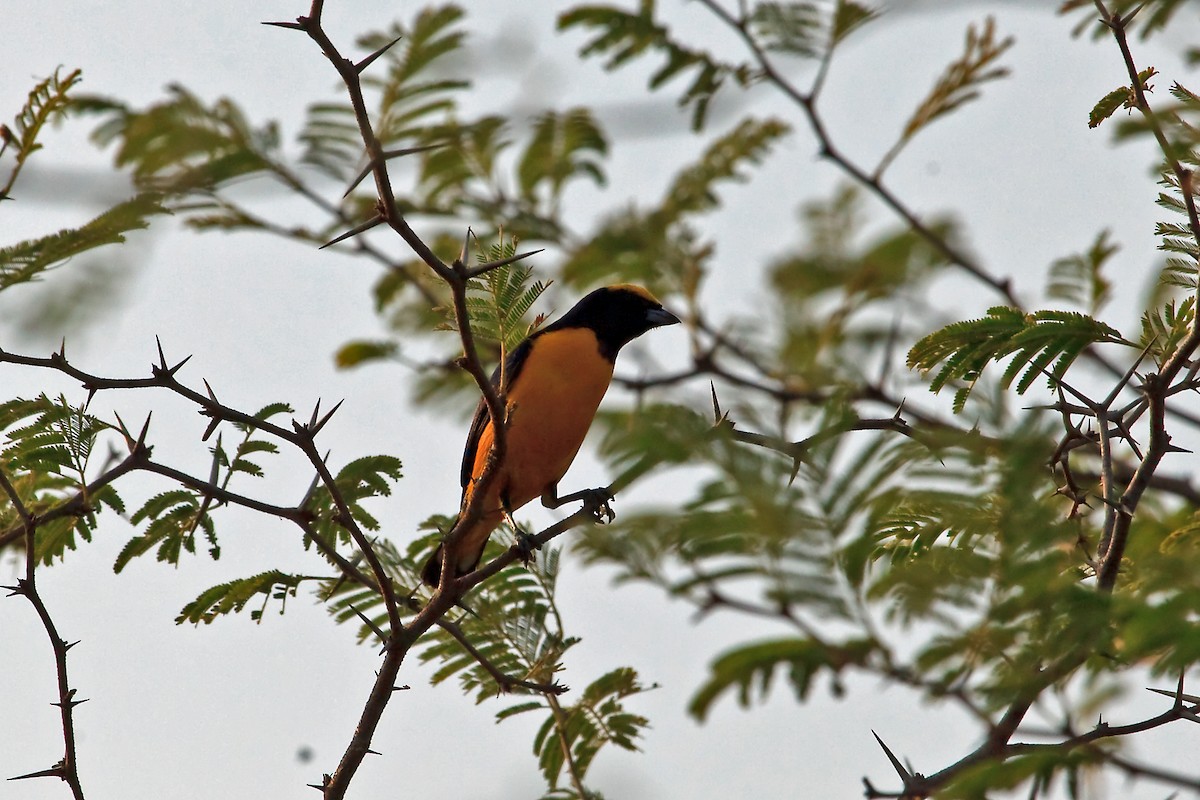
{"type": "Point", "coordinates": [960, 83]}
{"type": "Point", "coordinates": [623, 36]}
{"type": "Point", "coordinates": [48, 101]}
{"type": "Point", "coordinates": [1042, 343]}
{"type": "Point", "coordinates": [232, 597]}
{"type": "Point", "coordinates": [48, 443]}
{"type": "Point", "coordinates": [1038, 552]}
{"type": "Point", "coordinates": [1079, 278]}
{"type": "Point", "coordinates": [28, 260]}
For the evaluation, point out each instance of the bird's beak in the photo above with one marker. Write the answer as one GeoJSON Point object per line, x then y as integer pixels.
{"type": "Point", "coordinates": [657, 317]}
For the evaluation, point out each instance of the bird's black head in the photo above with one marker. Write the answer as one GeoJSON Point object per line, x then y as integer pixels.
{"type": "Point", "coordinates": [618, 315]}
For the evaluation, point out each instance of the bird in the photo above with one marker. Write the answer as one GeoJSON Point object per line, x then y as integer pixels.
{"type": "Point", "coordinates": [554, 382]}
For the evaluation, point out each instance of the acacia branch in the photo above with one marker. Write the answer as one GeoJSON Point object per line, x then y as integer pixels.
{"type": "Point", "coordinates": [456, 276]}
{"type": "Point", "coordinates": [67, 769]}
{"type": "Point", "coordinates": [300, 436]}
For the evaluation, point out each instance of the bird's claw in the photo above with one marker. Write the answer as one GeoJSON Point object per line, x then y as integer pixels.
{"type": "Point", "coordinates": [598, 501]}
{"type": "Point", "coordinates": [526, 546]}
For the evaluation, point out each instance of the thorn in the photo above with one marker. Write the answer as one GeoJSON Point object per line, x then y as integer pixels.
{"type": "Point", "coordinates": [1129, 373]}
{"type": "Point", "coordinates": [141, 440]}
{"type": "Point", "coordinates": [54, 772]}
{"type": "Point", "coordinates": [68, 645]}
{"type": "Point", "coordinates": [62, 349]}
{"type": "Point", "coordinates": [366, 62]}
{"type": "Point", "coordinates": [1178, 696]}
{"type": "Point", "coordinates": [374, 628]}
{"type": "Point", "coordinates": [712, 387]}
{"type": "Point", "coordinates": [178, 366]}
{"type": "Point", "coordinates": [91, 393]}
{"type": "Point", "coordinates": [70, 703]}
{"type": "Point", "coordinates": [162, 359]}
{"type": "Point", "coordinates": [317, 427]}
{"type": "Point", "coordinates": [373, 752]}
{"type": "Point", "coordinates": [1174, 448]}
{"type": "Point", "coordinates": [212, 426]}
{"type": "Point", "coordinates": [355, 231]}
{"type": "Point", "coordinates": [475, 272]}
{"type": "Point", "coordinates": [215, 472]}
{"type": "Point", "coordinates": [904, 774]}
{"type": "Point", "coordinates": [312, 420]}
{"type": "Point", "coordinates": [325, 781]}
{"type": "Point", "coordinates": [403, 688]}
{"type": "Point", "coordinates": [1128, 18]}
{"type": "Point", "coordinates": [129, 443]}
{"type": "Point", "coordinates": [211, 394]}
{"type": "Point", "coordinates": [463, 254]}
{"type": "Point", "coordinates": [312, 489]}
{"type": "Point", "coordinates": [294, 26]}
{"type": "Point", "coordinates": [388, 155]}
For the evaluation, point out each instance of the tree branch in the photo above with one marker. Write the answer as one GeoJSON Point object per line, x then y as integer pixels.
{"type": "Point", "coordinates": [67, 769]}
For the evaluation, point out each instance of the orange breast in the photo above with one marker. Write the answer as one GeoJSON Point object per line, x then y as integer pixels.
{"type": "Point", "coordinates": [552, 404]}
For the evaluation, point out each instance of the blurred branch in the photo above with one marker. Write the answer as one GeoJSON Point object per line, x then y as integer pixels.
{"type": "Point", "coordinates": [807, 101]}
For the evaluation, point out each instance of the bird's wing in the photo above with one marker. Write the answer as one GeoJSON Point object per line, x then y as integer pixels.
{"type": "Point", "coordinates": [512, 368]}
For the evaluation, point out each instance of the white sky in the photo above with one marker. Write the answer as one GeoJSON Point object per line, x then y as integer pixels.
{"type": "Point", "coordinates": [221, 711]}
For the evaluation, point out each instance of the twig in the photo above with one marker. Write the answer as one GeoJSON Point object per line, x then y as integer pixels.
{"type": "Point", "coordinates": [807, 101]}
{"type": "Point", "coordinates": [560, 725]}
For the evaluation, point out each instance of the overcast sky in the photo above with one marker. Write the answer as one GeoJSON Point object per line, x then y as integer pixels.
{"type": "Point", "coordinates": [224, 710]}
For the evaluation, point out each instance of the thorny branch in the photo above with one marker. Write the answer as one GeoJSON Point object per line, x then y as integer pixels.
{"type": "Point", "coordinates": [456, 277]}
{"type": "Point", "coordinates": [67, 769]}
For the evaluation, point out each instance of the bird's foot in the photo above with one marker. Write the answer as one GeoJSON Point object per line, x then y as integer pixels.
{"type": "Point", "coordinates": [597, 501]}
{"type": "Point", "coordinates": [526, 546]}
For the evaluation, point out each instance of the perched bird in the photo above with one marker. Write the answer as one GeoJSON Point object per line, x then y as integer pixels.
{"type": "Point", "coordinates": [554, 381]}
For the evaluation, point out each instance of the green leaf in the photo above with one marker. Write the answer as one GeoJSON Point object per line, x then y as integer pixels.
{"type": "Point", "coordinates": [181, 146]}
{"type": "Point", "coordinates": [597, 719]}
{"type": "Point", "coordinates": [232, 597]}
{"type": "Point", "coordinates": [27, 260]}
{"type": "Point", "coordinates": [848, 17]}
{"type": "Point", "coordinates": [623, 36]}
{"type": "Point", "coordinates": [693, 190]}
{"type": "Point", "coordinates": [792, 28]}
{"type": "Point", "coordinates": [520, 708]}
{"type": "Point", "coordinates": [1164, 328]}
{"type": "Point", "coordinates": [751, 669]}
{"type": "Point", "coordinates": [413, 96]}
{"type": "Point", "coordinates": [964, 349]}
{"type": "Point", "coordinates": [49, 100]}
{"type": "Point", "coordinates": [656, 247]}
{"type": "Point", "coordinates": [959, 83]}
{"type": "Point", "coordinates": [499, 301]}
{"type": "Point", "coordinates": [357, 353]}
{"type": "Point", "coordinates": [1078, 278]}
{"type": "Point", "coordinates": [564, 146]}
{"type": "Point", "coordinates": [1120, 97]}
{"type": "Point", "coordinates": [962, 79]}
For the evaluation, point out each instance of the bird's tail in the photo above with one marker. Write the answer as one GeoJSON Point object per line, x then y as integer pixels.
{"type": "Point", "coordinates": [433, 568]}
{"type": "Point", "coordinates": [467, 551]}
